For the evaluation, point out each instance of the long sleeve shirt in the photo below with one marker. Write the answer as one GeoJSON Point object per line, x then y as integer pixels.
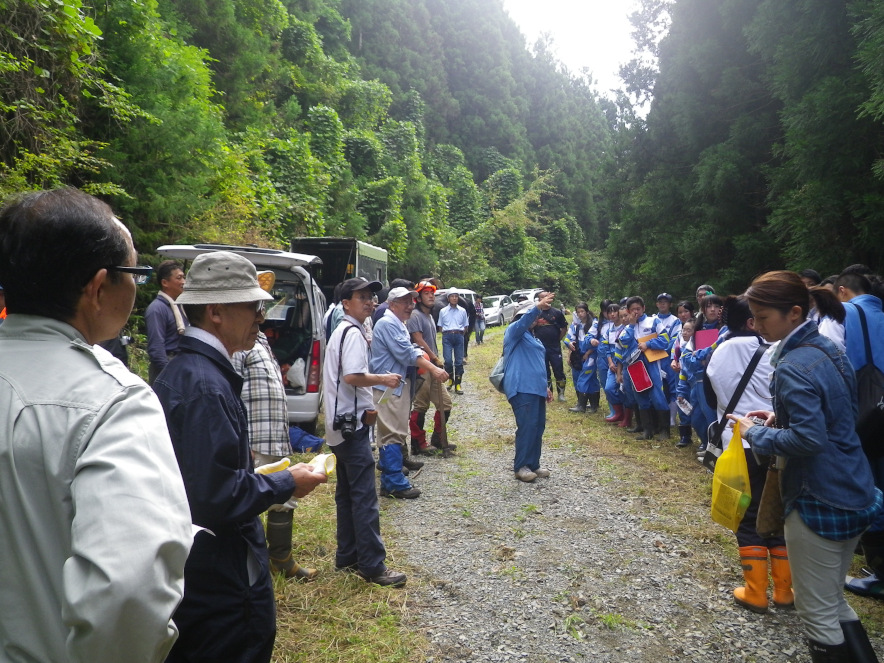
{"type": "Point", "coordinates": [392, 350]}
{"type": "Point", "coordinates": [525, 358]}
{"type": "Point", "coordinates": [96, 526]}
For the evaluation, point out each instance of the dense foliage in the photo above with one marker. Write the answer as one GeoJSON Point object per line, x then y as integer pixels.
{"type": "Point", "coordinates": [430, 128]}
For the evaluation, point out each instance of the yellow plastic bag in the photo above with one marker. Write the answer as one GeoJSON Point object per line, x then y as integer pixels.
{"type": "Point", "coordinates": [730, 484]}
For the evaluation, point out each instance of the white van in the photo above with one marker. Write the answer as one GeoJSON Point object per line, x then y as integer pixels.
{"type": "Point", "coordinates": [293, 323]}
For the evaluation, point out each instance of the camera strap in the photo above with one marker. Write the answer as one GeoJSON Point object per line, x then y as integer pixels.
{"type": "Point", "coordinates": [340, 370]}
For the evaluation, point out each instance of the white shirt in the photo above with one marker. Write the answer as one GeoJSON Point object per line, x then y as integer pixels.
{"type": "Point", "coordinates": [354, 359]}
{"type": "Point", "coordinates": [726, 368]}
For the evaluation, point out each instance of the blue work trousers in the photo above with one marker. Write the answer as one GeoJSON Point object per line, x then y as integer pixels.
{"type": "Point", "coordinates": [452, 344]}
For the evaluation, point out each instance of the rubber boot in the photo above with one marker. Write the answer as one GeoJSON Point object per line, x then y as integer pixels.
{"type": "Point", "coordinates": [436, 437]}
{"type": "Point", "coordinates": [648, 425]}
{"type": "Point", "coordinates": [418, 435]}
{"type": "Point", "coordinates": [560, 387]}
{"type": "Point", "coordinates": [616, 414]}
{"type": "Point", "coordinates": [685, 432]}
{"type": "Point", "coordinates": [823, 653]}
{"type": "Point", "coordinates": [754, 595]}
{"type": "Point", "coordinates": [581, 403]}
{"type": "Point", "coordinates": [664, 432]}
{"type": "Point", "coordinates": [857, 641]}
{"type": "Point", "coordinates": [593, 403]}
{"type": "Point", "coordinates": [626, 421]}
{"type": "Point", "coordinates": [781, 573]}
{"type": "Point", "coordinates": [409, 463]}
{"type": "Point", "coordinates": [279, 543]}
{"type": "Point", "coordinates": [611, 411]}
{"type": "Point", "coordinates": [457, 388]}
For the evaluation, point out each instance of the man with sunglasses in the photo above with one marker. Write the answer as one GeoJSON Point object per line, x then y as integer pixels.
{"type": "Point", "coordinates": [94, 521]}
{"type": "Point", "coordinates": [228, 612]}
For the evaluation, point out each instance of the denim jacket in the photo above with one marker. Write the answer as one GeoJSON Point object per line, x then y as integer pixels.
{"type": "Point", "coordinates": [815, 400]}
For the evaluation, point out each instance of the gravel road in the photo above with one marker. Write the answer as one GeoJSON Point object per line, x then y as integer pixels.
{"type": "Point", "coordinates": [568, 568]}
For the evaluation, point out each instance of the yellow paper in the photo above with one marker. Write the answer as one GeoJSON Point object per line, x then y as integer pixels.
{"type": "Point", "coordinates": [652, 355]}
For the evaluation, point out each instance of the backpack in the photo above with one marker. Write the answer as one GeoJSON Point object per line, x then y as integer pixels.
{"type": "Point", "coordinates": [870, 396]}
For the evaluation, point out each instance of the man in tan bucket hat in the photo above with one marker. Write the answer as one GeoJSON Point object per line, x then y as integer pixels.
{"type": "Point", "coordinates": [228, 611]}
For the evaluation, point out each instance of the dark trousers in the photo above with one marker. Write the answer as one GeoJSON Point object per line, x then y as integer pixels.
{"type": "Point", "coordinates": [356, 498]}
{"type": "Point", "coordinates": [747, 535]}
{"type": "Point", "coordinates": [554, 362]}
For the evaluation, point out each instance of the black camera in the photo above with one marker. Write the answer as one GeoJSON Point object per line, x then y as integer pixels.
{"type": "Point", "coordinates": [346, 423]}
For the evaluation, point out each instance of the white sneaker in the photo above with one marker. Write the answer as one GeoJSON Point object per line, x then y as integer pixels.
{"type": "Point", "coordinates": [542, 472]}
{"type": "Point", "coordinates": [526, 475]}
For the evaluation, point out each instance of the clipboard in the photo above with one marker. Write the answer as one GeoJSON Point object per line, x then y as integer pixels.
{"type": "Point", "coordinates": [639, 376]}
{"type": "Point", "coordinates": [652, 354]}
{"type": "Point", "coordinates": [704, 338]}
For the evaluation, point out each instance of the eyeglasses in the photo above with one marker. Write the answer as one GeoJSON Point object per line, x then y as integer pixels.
{"type": "Point", "coordinates": [140, 273]}
{"type": "Point", "coordinates": [261, 307]}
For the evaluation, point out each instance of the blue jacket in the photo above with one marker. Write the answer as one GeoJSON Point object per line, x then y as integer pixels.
{"type": "Point", "coordinates": [853, 331]}
{"type": "Point", "coordinates": [162, 332]}
{"type": "Point", "coordinates": [199, 391]}
{"type": "Point", "coordinates": [525, 358]}
{"type": "Point", "coordinates": [815, 400]}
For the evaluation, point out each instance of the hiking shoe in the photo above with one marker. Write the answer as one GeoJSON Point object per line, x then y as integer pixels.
{"type": "Point", "coordinates": [388, 578]}
{"type": "Point", "coordinates": [412, 464]}
{"type": "Point", "coordinates": [406, 494]}
{"type": "Point", "coordinates": [562, 397]}
{"type": "Point", "coordinates": [542, 472]}
{"type": "Point", "coordinates": [525, 474]}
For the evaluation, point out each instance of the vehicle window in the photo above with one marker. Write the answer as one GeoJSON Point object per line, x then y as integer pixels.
{"type": "Point", "coordinates": [491, 302]}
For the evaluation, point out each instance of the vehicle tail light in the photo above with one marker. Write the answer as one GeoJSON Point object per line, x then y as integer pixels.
{"type": "Point", "coordinates": [314, 372]}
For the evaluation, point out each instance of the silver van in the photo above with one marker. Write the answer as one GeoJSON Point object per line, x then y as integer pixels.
{"type": "Point", "coordinates": [293, 323]}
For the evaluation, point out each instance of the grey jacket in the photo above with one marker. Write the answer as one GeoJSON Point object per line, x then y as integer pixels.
{"type": "Point", "coordinates": [94, 522]}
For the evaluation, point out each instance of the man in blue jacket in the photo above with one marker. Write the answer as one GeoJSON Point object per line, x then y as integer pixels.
{"type": "Point", "coordinates": [527, 389]}
{"type": "Point", "coordinates": [854, 290]}
{"type": "Point", "coordinates": [228, 611]}
{"type": "Point", "coordinates": [163, 319]}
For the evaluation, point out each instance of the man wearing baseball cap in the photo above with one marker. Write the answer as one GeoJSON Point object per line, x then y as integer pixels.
{"type": "Point", "coordinates": [228, 611]}
{"type": "Point", "coordinates": [393, 352]}
{"type": "Point", "coordinates": [349, 410]}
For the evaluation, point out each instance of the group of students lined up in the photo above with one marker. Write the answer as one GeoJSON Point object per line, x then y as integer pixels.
{"type": "Point", "coordinates": [786, 360]}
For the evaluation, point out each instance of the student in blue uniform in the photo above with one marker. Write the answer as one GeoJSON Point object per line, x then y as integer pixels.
{"type": "Point", "coordinates": [582, 339]}
{"type": "Point", "coordinates": [653, 410]}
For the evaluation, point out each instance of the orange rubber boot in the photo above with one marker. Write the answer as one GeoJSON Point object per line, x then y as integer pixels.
{"type": "Point", "coordinates": [754, 595]}
{"type": "Point", "coordinates": [782, 578]}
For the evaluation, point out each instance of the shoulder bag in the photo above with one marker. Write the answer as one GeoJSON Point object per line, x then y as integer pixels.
{"type": "Point", "coordinates": [716, 428]}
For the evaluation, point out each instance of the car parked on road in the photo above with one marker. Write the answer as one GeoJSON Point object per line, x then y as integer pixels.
{"type": "Point", "coordinates": [293, 322]}
{"type": "Point", "coordinates": [530, 293]}
{"type": "Point", "coordinates": [499, 309]}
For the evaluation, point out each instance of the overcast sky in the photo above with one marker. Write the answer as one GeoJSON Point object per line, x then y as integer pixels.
{"type": "Point", "coordinates": [586, 33]}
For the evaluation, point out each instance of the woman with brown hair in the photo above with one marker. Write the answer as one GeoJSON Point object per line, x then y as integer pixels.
{"type": "Point", "coordinates": [829, 496]}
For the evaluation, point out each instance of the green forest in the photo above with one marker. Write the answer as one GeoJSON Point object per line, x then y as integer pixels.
{"type": "Point", "coordinates": [748, 134]}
